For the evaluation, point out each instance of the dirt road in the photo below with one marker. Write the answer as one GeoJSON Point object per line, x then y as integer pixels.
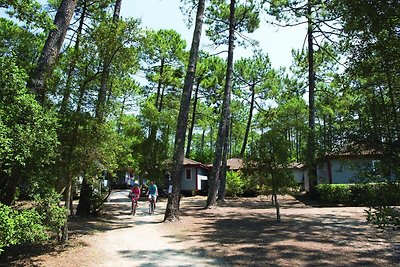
{"type": "Point", "coordinates": [140, 240]}
{"type": "Point", "coordinates": [240, 232]}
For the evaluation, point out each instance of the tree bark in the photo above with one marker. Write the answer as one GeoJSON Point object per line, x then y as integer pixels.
{"type": "Point", "coordinates": [101, 99]}
{"type": "Point", "coordinates": [159, 86]}
{"type": "Point", "coordinates": [172, 210]}
{"type": "Point", "coordinates": [64, 230]}
{"type": "Point", "coordinates": [225, 114]}
{"type": "Point", "coordinates": [8, 188]}
{"type": "Point", "coordinates": [74, 59]}
{"type": "Point", "coordinates": [248, 126]}
{"type": "Point", "coordinates": [84, 206]}
{"type": "Point", "coordinates": [190, 134]}
{"type": "Point", "coordinates": [222, 182]}
{"type": "Point", "coordinates": [311, 106]}
{"type": "Point", "coordinates": [203, 136]}
{"type": "Point", "coordinates": [51, 49]}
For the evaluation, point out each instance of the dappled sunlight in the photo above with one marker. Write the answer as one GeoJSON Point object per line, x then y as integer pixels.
{"type": "Point", "coordinates": [171, 257]}
{"type": "Point", "coordinates": [245, 232]}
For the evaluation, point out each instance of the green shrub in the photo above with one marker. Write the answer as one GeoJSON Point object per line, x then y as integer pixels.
{"type": "Point", "coordinates": [384, 217]}
{"type": "Point", "coordinates": [373, 195]}
{"type": "Point", "coordinates": [17, 227]}
{"type": "Point", "coordinates": [387, 194]}
{"type": "Point", "coordinates": [234, 184]}
{"type": "Point", "coordinates": [53, 216]}
{"type": "Point", "coordinates": [361, 194]}
{"type": "Point", "coordinates": [333, 193]}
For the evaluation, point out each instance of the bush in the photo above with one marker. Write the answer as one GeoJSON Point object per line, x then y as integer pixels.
{"type": "Point", "coordinates": [17, 227]}
{"type": "Point", "coordinates": [234, 184]}
{"type": "Point", "coordinates": [53, 216]}
{"type": "Point", "coordinates": [333, 193]}
{"type": "Point", "coordinates": [382, 194]}
{"type": "Point", "coordinates": [384, 217]}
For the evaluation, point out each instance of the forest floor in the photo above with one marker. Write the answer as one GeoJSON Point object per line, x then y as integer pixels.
{"type": "Point", "coordinates": [239, 232]}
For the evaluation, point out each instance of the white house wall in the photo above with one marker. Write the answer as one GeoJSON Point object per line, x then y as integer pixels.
{"type": "Point", "coordinates": [343, 170]}
{"type": "Point", "coordinates": [199, 179]}
{"type": "Point", "coordinates": [298, 175]}
{"type": "Point", "coordinates": [188, 184]}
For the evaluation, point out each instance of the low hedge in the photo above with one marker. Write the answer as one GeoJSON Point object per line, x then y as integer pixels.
{"type": "Point", "coordinates": [382, 194]}
{"type": "Point", "coordinates": [41, 222]}
{"type": "Point", "coordinates": [17, 227]}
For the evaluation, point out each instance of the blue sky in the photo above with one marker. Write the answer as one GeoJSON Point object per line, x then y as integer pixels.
{"type": "Point", "coordinates": [166, 14]}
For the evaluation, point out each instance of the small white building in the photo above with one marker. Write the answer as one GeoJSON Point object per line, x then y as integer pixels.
{"type": "Point", "coordinates": [340, 168]}
{"type": "Point", "coordinates": [344, 168]}
{"type": "Point", "coordinates": [194, 176]}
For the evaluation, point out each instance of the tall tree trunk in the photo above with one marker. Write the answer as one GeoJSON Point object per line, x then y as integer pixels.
{"type": "Point", "coordinates": [231, 137]}
{"type": "Point", "coordinates": [393, 106]}
{"type": "Point", "coordinates": [203, 137]}
{"type": "Point", "coordinates": [119, 122]}
{"type": "Point", "coordinates": [160, 84]}
{"type": "Point", "coordinates": [278, 211]}
{"type": "Point", "coordinates": [117, 10]}
{"type": "Point", "coordinates": [153, 126]}
{"type": "Point", "coordinates": [189, 142]}
{"type": "Point", "coordinates": [160, 105]}
{"type": "Point", "coordinates": [224, 168]}
{"type": "Point", "coordinates": [8, 188]}
{"type": "Point", "coordinates": [246, 135]}
{"type": "Point", "coordinates": [51, 49]}
{"type": "Point", "coordinates": [84, 193]}
{"type": "Point", "coordinates": [225, 114]}
{"type": "Point", "coordinates": [311, 106]}
{"type": "Point", "coordinates": [385, 116]}
{"type": "Point", "coordinates": [101, 98]}
{"type": "Point", "coordinates": [68, 194]}
{"type": "Point", "coordinates": [84, 206]}
{"type": "Point", "coordinates": [172, 211]}
{"type": "Point", "coordinates": [211, 137]}
{"type": "Point", "coordinates": [74, 59]}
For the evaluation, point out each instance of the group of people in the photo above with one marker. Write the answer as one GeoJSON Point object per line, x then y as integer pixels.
{"type": "Point", "coordinates": [151, 193]}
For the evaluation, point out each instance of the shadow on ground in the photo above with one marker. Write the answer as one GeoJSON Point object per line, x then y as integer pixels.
{"type": "Point", "coordinates": [116, 214]}
{"type": "Point", "coordinates": [247, 234]}
{"type": "Point", "coordinates": [169, 257]}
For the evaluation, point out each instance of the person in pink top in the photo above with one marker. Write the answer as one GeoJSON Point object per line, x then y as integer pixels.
{"type": "Point", "coordinates": [135, 195]}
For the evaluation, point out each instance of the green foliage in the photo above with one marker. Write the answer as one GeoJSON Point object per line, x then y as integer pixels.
{"type": "Point", "coordinates": [252, 184]}
{"type": "Point", "coordinates": [267, 167]}
{"type": "Point", "coordinates": [384, 217]}
{"type": "Point", "coordinates": [379, 194]}
{"type": "Point", "coordinates": [234, 184]}
{"type": "Point", "coordinates": [333, 193]}
{"type": "Point", "coordinates": [53, 215]}
{"type": "Point", "coordinates": [28, 11]}
{"type": "Point", "coordinates": [28, 138]}
{"type": "Point", "coordinates": [372, 80]}
{"type": "Point", "coordinates": [247, 19]}
{"type": "Point", "coordinates": [19, 42]}
{"type": "Point", "coordinates": [18, 227]}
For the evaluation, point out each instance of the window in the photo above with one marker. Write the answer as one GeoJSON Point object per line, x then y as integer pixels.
{"type": "Point", "coordinates": [188, 174]}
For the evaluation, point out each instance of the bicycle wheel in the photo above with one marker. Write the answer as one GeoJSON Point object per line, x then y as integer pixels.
{"type": "Point", "coordinates": [134, 208]}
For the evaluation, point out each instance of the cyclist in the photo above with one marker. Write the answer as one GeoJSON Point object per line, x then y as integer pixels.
{"type": "Point", "coordinates": [152, 193]}
{"type": "Point", "coordinates": [135, 195]}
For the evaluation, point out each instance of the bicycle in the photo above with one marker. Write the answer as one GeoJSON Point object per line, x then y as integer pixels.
{"type": "Point", "coordinates": [134, 205]}
{"type": "Point", "coordinates": [152, 205]}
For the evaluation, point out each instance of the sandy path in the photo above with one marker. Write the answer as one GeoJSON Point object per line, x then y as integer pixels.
{"type": "Point", "coordinates": [140, 240]}
{"type": "Point", "coordinates": [240, 232]}
{"type": "Point", "coordinates": [145, 242]}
